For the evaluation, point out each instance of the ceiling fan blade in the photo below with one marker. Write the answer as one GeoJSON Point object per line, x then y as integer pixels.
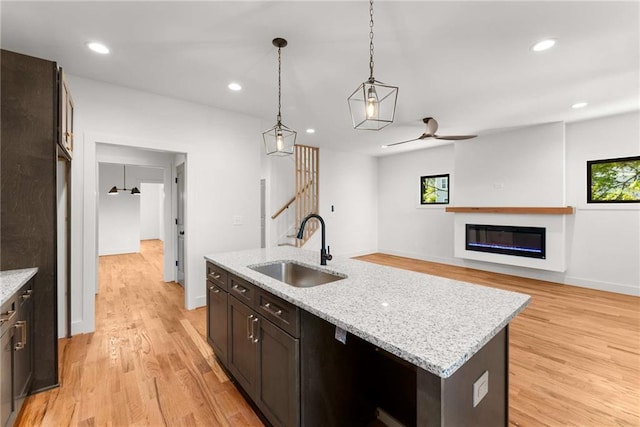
{"type": "Point", "coordinates": [423, 136]}
{"type": "Point", "coordinates": [454, 137]}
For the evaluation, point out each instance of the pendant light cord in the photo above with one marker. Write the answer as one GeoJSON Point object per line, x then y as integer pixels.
{"type": "Point", "coordinates": [371, 79]}
{"type": "Point", "coordinates": [279, 84]}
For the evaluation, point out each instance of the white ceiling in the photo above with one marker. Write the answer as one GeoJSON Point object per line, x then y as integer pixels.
{"type": "Point", "coordinates": [468, 64]}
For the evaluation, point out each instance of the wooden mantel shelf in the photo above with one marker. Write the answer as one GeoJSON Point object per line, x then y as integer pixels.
{"type": "Point", "coordinates": [563, 210]}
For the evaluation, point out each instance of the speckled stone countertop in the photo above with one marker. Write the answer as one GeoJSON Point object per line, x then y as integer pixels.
{"type": "Point", "coordinates": [12, 280]}
{"type": "Point", "coordinates": [434, 323]}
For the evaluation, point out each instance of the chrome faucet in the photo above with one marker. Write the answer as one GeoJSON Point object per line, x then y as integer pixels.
{"type": "Point", "coordinates": [325, 254]}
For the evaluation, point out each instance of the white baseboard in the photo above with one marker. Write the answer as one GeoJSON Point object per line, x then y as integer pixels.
{"type": "Point", "coordinates": [78, 327]}
{"type": "Point", "coordinates": [550, 276]}
{"type": "Point", "coordinates": [200, 301]}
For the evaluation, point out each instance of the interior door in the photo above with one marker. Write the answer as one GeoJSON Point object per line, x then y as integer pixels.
{"type": "Point", "coordinates": [180, 223]}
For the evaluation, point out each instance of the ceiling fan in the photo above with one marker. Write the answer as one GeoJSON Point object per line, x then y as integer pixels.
{"type": "Point", "coordinates": [432, 128]}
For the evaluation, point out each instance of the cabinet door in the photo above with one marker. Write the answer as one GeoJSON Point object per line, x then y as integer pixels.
{"type": "Point", "coordinates": [243, 352]}
{"type": "Point", "coordinates": [6, 395]}
{"type": "Point", "coordinates": [23, 355]}
{"type": "Point", "coordinates": [217, 321]}
{"type": "Point", "coordinates": [66, 116]}
{"type": "Point", "coordinates": [279, 369]}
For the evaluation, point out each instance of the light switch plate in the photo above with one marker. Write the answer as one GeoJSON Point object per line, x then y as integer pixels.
{"type": "Point", "coordinates": [480, 388]}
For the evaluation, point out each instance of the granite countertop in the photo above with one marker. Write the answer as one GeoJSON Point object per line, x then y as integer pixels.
{"type": "Point", "coordinates": [432, 322]}
{"type": "Point", "coordinates": [12, 280]}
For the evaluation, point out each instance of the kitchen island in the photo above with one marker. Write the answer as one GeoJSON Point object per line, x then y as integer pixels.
{"type": "Point", "coordinates": [444, 343]}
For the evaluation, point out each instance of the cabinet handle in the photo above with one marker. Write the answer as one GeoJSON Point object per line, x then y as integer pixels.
{"type": "Point", "coordinates": [276, 311]}
{"type": "Point", "coordinates": [215, 275]}
{"type": "Point", "coordinates": [255, 335]}
{"type": "Point", "coordinates": [7, 316]}
{"type": "Point", "coordinates": [249, 327]}
{"type": "Point", "coordinates": [214, 289]}
{"type": "Point", "coordinates": [239, 289]}
{"type": "Point", "coordinates": [25, 296]}
{"type": "Point", "coordinates": [22, 324]}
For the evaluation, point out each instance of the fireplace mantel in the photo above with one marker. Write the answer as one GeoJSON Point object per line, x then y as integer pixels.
{"type": "Point", "coordinates": [536, 210]}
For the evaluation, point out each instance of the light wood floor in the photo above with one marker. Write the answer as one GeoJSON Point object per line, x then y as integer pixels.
{"type": "Point", "coordinates": [574, 355]}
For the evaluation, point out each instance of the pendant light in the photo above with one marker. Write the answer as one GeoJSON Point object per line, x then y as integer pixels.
{"type": "Point", "coordinates": [373, 103]}
{"type": "Point", "coordinates": [114, 190]}
{"type": "Point", "coordinates": [279, 140]}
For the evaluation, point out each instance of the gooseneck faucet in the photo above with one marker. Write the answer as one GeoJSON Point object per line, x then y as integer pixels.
{"type": "Point", "coordinates": [324, 253]}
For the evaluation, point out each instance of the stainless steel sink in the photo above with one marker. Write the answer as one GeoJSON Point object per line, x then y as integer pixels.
{"type": "Point", "coordinates": [298, 275]}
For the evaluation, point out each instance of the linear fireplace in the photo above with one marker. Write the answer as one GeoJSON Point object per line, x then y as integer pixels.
{"type": "Point", "coordinates": [507, 240]}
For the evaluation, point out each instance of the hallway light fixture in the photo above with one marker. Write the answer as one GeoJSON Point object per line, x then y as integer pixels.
{"type": "Point", "coordinates": [279, 140]}
{"type": "Point", "coordinates": [373, 104]}
{"type": "Point", "coordinates": [115, 190]}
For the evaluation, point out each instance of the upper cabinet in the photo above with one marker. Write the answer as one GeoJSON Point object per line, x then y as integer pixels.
{"type": "Point", "coordinates": [65, 116]}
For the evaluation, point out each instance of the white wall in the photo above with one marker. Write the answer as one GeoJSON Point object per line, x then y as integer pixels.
{"type": "Point", "coordinates": [605, 239]}
{"type": "Point", "coordinates": [348, 182]}
{"type": "Point", "coordinates": [602, 242]}
{"type": "Point", "coordinates": [223, 152]}
{"type": "Point", "coordinates": [407, 228]}
{"type": "Point", "coordinates": [118, 215]}
{"type": "Point", "coordinates": [151, 211]}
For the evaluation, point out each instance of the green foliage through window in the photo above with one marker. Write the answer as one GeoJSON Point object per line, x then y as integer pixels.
{"type": "Point", "coordinates": [434, 189]}
{"type": "Point", "coordinates": [614, 180]}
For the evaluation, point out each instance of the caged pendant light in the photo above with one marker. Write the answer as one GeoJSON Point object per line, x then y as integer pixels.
{"type": "Point", "coordinates": [373, 104]}
{"type": "Point", "coordinates": [114, 190]}
{"type": "Point", "coordinates": [279, 140]}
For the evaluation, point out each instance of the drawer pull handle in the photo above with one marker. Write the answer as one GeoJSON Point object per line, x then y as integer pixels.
{"type": "Point", "coordinates": [22, 324]}
{"type": "Point", "coordinates": [276, 311]}
{"type": "Point", "coordinates": [214, 289]}
{"type": "Point", "coordinates": [249, 327]}
{"type": "Point", "coordinates": [25, 296]}
{"type": "Point", "coordinates": [7, 316]}
{"type": "Point", "coordinates": [255, 335]}
{"type": "Point", "coordinates": [215, 276]}
{"type": "Point", "coordinates": [239, 289]}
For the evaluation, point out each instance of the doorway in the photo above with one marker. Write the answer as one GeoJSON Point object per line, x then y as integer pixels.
{"type": "Point", "coordinates": [180, 223]}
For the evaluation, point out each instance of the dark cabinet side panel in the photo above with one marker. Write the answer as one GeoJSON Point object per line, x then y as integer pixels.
{"type": "Point", "coordinates": [28, 193]}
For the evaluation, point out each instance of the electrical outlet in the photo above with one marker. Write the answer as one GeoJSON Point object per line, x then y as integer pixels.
{"type": "Point", "coordinates": [480, 388]}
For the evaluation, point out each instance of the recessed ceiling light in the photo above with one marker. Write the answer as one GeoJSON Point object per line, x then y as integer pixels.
{"type": "Point", "coordinates": [311, 130]}
{"type": "Point", "coordinates": [98, 47]}
{"type": "Point", "coordinates": [234, 86]}
{"type": "Point", "coordinates": [579, 105]}
{"type": "Point", "coordinates": [543, 45]}
{"type": "Point", "coordinates": [384, 146]}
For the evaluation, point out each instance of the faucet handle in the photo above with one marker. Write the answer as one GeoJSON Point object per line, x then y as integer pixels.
{"type": "Point", "coordinates": [329, 256]}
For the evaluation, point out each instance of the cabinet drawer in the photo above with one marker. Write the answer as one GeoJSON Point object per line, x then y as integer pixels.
{"type": "Point", "coordinates": [217, 275]}
{"type": "Point", "coordinates": [242, 290]}
{"type": "Point", "coordinates": [280, 312]}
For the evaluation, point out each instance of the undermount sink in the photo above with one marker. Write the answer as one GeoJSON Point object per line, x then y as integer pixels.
{"type": "Point", "coordinates": [298, 275]}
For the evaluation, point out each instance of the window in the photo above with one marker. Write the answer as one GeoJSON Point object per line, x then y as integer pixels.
{"type": "Point", "coordinates": [613, 180]}
{"type": "Point", "coordinates": [434, 189]}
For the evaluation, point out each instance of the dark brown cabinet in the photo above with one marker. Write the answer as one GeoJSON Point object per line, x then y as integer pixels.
{"type": "Point", "coordinates": [16, 352]}
{"type": "Point", "coordinates": [217, 299]}
{"type": "Point", "coordinates": [278, 393]}
{"type": "Point", "coordinates": [23, 356]}
{"type": "Point", "coordinates": [243, 352]}
{"type": "Point", "coordinates": [65, 116]}
{"type": "Point", "coordinates": [257, 342]}
{"type": "Point", "coordinates": [6, 383]}
{"type": "Point", "coordinates": [29, 150]}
